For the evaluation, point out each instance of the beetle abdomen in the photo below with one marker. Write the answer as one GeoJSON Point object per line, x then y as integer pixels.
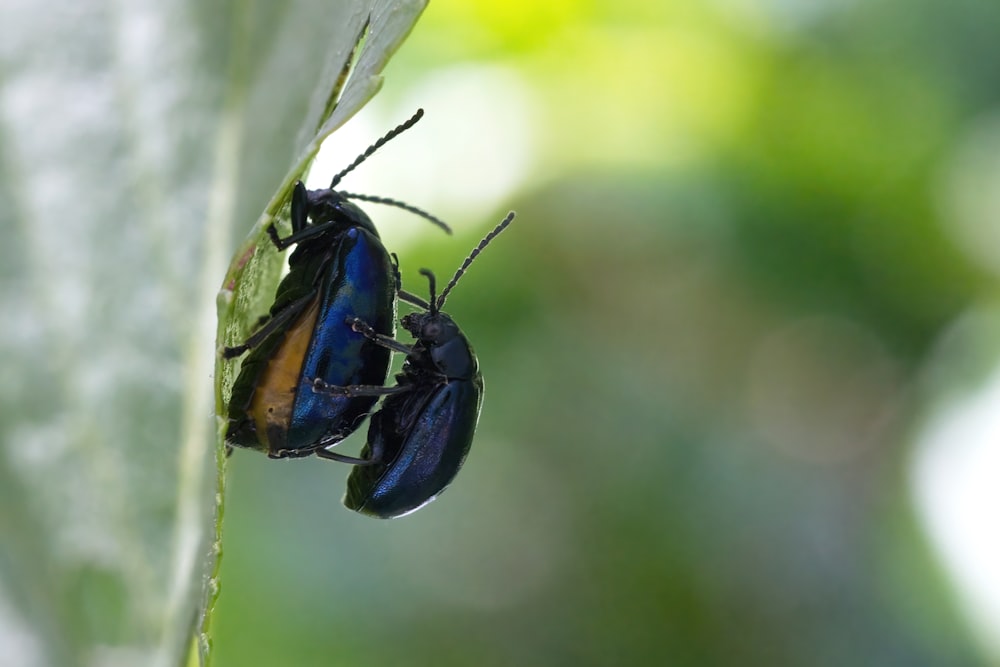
{"type": "Point", "coordinates": [419, 458]}
{"type": "Point", "coordinates": [358, 283]}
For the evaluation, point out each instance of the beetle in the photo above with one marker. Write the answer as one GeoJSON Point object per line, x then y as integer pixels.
{"type": "Point", "coordinates": [419, 439]}
{"type": "Point", "coordinates": [339, 269]}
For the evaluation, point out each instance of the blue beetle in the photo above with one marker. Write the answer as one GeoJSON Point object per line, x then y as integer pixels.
{"type": "Point", "coordinates": [419, 439]}
{"type": "Point", "coordinates": [338, 270]}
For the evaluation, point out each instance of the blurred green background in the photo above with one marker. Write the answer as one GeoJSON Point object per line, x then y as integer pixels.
{"type": "Point", "coordinates": [740, 344]}
{"type": "Point", "coordinates": [754, 262]}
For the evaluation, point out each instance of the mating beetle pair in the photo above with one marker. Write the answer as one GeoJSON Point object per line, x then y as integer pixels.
{"type": "Point", "coordinates": [317, 365]}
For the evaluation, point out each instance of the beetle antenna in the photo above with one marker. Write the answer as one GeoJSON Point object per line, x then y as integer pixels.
{"type": "Point", "coordinates": [398, 204]}
{"type": "Point", "coordinates": [468, 260]}
{"type": "Point", "coordinates": [389, 136]}
{"type": "Point", "coordinates": [432, 302]}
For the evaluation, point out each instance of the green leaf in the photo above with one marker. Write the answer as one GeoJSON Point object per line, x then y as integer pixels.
{"type": "Point", "coordinates": [136, 140]}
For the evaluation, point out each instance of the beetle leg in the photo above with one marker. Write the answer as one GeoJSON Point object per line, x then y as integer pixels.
{"type": "Point", "coordinates": [298, 236]}
{"type": "Point", "coordinates": [300, 208]}
{"type": "Point", "coordinates": [395, 271]}
{"type": "Point", "coordinates": [294, 237]}
{"type": "Point", "coordinates": [343, 458]}
{"type": "Point", "coordinates": [412, 299]}
{"type": "Point", "coordinates": [408, 297]}
{"type": "Point", "coordinates": [269, 327]}
{"type": "Point", "coordinates": [366, 330]}
{"type": "Point", "coordinates": [352, 390]}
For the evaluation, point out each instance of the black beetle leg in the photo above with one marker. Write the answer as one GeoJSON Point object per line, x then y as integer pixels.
{"type": "Point", "coordinates": [395, 271]}
{"type": "Point", "coordinates": [321, 387]}
{"type": "Point", "coordinates": [301, 229]}
{"type": "Point", "coordinates": [298, 237]}
{"type": "Point", "coordinates": [368, 332]}
{"type": "Point", "coordinates": [343, 458]}
{"type": "Point", "coordinates": [412, 299]}
{"type": "Point", "coordinates": [269, 327]}
{"type": "Point", "coordinates": [408, 297]}
{"type": "Point", "coordinates": [299, 208]}
{"type": "Point", "coordinates": [278, 242]}
{"type": "Point", "coordinates": [300, 218]}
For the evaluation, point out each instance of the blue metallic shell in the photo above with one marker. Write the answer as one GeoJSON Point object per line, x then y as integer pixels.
{"type": "Point", "coordinates": [422, 439]}
{"type": "Point", "coordinates": [358, 283]}
{"type": "Point", "coordinates": [349, 274]}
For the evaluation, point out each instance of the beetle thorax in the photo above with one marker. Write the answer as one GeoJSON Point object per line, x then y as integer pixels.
{"type": "Point", "coordinates": [331, 206]}
{"type": "Point", "coordinates": [443, 344]}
